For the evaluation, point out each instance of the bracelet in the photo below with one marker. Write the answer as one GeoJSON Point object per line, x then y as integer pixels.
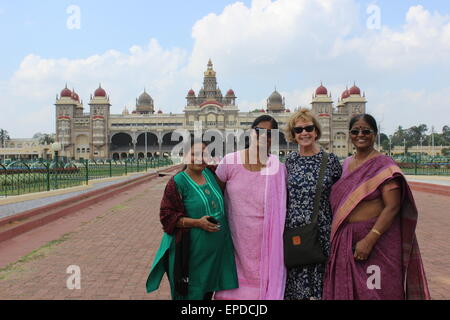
{"type": "Point", "coordinates": [376, 231]}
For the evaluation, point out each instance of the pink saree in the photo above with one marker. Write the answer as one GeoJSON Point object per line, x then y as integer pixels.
{"type": "Point", "coordinates": [396, 255]}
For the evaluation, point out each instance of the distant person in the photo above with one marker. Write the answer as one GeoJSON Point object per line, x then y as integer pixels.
{"type": "Point", "coordinates": [374, 250]}
{"type": "Point", "coordinates": [196, 250]}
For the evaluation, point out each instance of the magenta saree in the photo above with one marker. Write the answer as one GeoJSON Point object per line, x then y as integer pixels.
{"type": "Point", "coordinates": [395, 259]}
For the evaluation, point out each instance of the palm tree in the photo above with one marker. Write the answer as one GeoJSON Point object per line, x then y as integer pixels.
{"type": "Point", "coordinates": [46, 139]}
{"type": "Point", "coordinates": [4, 136]}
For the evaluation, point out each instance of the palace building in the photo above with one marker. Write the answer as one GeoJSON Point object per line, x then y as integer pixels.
{"type": "Point", "coordinates": [145, 132]}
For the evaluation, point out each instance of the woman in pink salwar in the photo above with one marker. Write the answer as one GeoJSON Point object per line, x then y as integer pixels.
{"type": "Point", "coordinates": [374, 250]}
{"type": "Point", "coordinates": [255, 198]}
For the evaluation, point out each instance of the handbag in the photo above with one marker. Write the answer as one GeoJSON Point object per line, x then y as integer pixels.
{"type": "Point", "coordinates": [301, 244]}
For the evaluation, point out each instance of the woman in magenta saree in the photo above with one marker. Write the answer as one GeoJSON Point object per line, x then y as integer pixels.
{"type": "Point", "coordinates": [374, 250]}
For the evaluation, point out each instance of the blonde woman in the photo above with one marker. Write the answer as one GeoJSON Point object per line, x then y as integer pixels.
{"type": "Point", "coordinates": [305, 282]}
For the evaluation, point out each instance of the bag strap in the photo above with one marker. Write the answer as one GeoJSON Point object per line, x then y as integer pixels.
{"type": "Point", "coordinates": [319, 188]}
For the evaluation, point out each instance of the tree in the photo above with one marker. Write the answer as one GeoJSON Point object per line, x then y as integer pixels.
{"type": "Point", "coordinates": [446, 134]}
{"type": "Point", "coordinates": [4, 136]}
{"type": "Point", "coordinates": [46, 139]}
{"type": "Point", "coordinates": [38, 135]}
{"type": "Point", "coordinates": [415, 134]}
{"type": "Point", "coordinates": [384, 141]}
{"type": "Point", "coordinates": [398, 136]}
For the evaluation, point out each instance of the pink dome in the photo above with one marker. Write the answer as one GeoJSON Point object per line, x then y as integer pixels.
{"type": "Point", "coordinates": [191, 93]}
{"type": "Point", "coordinates": [321, 90]}
{"type": "Point", "coordinates": [230, 92]}
{"type": "Point", "coordinates": [355, 90]}
{"type": "Point", "coordinates": [100, 92]}
{"type": "Point", "coordinates": [345, 94]}
{"type": "Point", "coordinates": [66, 93]}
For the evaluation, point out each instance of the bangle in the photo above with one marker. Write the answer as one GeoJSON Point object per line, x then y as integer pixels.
{"type": "Point", "coordinates": [376, 231]}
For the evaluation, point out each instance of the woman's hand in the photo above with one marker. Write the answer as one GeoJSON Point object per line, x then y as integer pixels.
{"type": "Point", "coordinates": [364, 247]}
{"type": "Point", "coordinates": [204, 224]}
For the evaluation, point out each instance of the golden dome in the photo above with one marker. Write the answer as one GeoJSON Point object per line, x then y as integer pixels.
{"type": "Point", "coordinates": [210, 72]}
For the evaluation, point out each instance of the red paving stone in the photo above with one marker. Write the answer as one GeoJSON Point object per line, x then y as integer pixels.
{"type": "Point", "coordinates": [114, 243]}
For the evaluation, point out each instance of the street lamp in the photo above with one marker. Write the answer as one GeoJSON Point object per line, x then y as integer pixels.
{"type": "Point", "coordinates": [432, 141]}
{"type": "Point", "coordinates": [421, 139]}
{"type": "Point", "coordinates": [404, 146]}
{"type": "Point", "coordinates": [390, 145]}
{"type": "Point", "coordinates": [131, 153]}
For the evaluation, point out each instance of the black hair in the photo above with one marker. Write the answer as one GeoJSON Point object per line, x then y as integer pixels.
{"type": "Point", "coordinates": [188, 148]}
{"type": "Point", "coordinates": [367, 118]}
{"type": "Point", "coordinates": [264, 118]}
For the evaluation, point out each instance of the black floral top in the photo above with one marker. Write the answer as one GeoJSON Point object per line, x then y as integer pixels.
{"type": "Point", "coordinates": [303, 172]}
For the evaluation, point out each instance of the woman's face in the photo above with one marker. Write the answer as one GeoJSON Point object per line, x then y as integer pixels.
{"type": "Point", "coordinates": [196, 162]}
{"type": "Point", "coordinates": [262, 135]}
{"type": "Point", "coordinates": [362, 135]}
{"type": "Point", "coordinates": [305, 138]}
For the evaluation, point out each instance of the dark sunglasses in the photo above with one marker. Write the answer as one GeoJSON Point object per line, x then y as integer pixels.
{"type": "Point", "coordinates": [307, 129]}
{"type": "Point", "coordinates": [260, 131]}
{"type": "Point", "coordinates": [355, 132]}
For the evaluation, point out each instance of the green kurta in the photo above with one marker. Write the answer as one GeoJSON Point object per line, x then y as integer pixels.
{"type": "Point", "coordinates": [211, 263]}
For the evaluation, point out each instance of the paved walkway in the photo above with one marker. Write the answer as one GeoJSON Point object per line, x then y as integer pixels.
{"type": "Point", "coordinates": [40, 199]}
{"type": "Point", "coordinates": [440, 180]}
{"type": "Point", "coordinates": [114, 243]}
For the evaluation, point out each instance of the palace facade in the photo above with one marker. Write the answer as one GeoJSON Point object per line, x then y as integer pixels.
{"type": "Point", "coordinates": [99, 134]}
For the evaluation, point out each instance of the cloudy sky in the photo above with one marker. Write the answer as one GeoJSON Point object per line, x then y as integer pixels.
{"type": "Point", "coordinates": [398, 52]}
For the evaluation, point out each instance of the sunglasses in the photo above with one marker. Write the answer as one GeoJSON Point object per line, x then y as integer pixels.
{"type": "Point", "coordinates": [299, 130]}
{"type": "Point", "coordinates": [260, 131]}
{"type": "Point", "coordinates": [355, 132]}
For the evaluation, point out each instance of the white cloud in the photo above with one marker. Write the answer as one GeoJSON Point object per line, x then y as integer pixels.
{"type": "Point", "coordinates": [124, 75]}
{"type": "Point", "coordinates": [271, 37]}
{"type": "Point", "coordinates": [423, 40]}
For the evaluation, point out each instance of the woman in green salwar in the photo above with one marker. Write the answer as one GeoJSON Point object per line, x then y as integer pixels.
{"type": "Point", "coordinates": [196, 250]}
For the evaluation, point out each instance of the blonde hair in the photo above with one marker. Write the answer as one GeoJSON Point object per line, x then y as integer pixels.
{"type": "Point", "coordinates": [305, 115]}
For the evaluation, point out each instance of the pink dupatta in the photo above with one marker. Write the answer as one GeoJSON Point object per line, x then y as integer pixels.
{"type": "Point", "coordinates": [273, 271]}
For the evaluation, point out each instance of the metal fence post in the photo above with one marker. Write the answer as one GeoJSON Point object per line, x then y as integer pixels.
{"type": "Point", "coordinates": [4, 179]}
{"type": "Point", "coordinates": [47, 166]}
{"type": "Point", "coordinates": [415, 165]}
{"type": "Point", "coordinates": [110, 168]}
{"type": "Point", "coordinates": [87, 171]}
